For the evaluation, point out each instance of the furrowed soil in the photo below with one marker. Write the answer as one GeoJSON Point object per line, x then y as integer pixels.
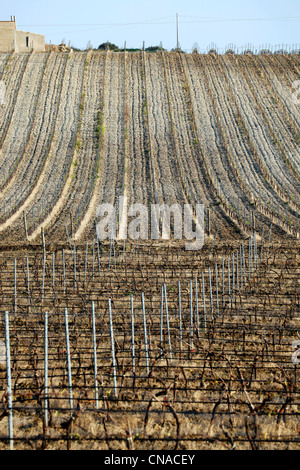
{"type": "Point", "coordinates": [142, 343]}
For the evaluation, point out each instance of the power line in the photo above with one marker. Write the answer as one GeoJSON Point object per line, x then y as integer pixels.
{"type": "Point", "coordinates": [151, 22]}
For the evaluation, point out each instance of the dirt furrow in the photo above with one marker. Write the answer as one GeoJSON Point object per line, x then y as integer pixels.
{"type": "Point", "coordinates": [239, 151]}
{"type": "Point", "coordinates": [257, 127]}
{"type": "Point", "coordinates": [209, 135]}
{"type": "Point", "coordinates": [87, 154]}
{"type": "Point", "coordinates": [139, 183]}
{"type": "Point", "coordinates": [271, 198]}
{"type": "Point", "coordinates": [54, 179]}
{"type": "Point", "coordinates": [110, 179]}
{"type": "Point", "coordinates": [206, 121]}
{"type": "Point", "coordinates": [113, 122]}
{"type": "Point", "coordinates": [3, 61]}
{"type": "Point", "coordinates": [290, 64]}
{"type": "Point", "coordinates": [29, 170]}
{"type": "Point", "coordinates": [12, 77]}
{"type": "Point", "coordinates": [195, 177]}
{"type": "Point", "coordinates": [281, 88]}
{"type": "Point", "coordinates": [288, 95]}
{"type": "Point", "coordinates": [185, 139]}
{"type": "Point", "coordinates": [248, 170]}
{"type": "Point", "coordinates": [232, 138]}
{"type": "Point", "coordinates": [23, 115]}
{"type": "Point", "coordinates": [264, 150]}
{"type": "Point", "coordinates": [168, 180]}
{"type": "Point", "coordinates": [275, 117]}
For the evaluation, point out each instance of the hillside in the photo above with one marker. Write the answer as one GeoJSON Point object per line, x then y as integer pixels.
{"type": "Point", "coordinates": [80, 129]}
{"type": "Point", "coordinates": [142, 344]}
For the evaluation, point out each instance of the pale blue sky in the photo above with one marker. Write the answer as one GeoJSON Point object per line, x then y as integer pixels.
{"type": "Point", "coordinates": [155, 21]}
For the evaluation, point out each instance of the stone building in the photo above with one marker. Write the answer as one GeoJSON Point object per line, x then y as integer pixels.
{"type": "Point", "coordinates": [13, 40]}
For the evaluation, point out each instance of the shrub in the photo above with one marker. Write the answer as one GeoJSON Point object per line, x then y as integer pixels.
{"type": "Point", "coordinates": [108, 46]}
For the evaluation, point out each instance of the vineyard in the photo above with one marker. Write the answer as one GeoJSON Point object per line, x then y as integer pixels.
{"type": "Point", "coordinates": [142, 344]}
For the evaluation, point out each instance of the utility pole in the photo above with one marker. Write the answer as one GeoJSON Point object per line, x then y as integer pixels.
{"type": "Point", "coordinates": [177, 32]}
{"type": "Point", "coordinates": [15, 39]}
{"type": "Point", "coordinates": [25, 226]}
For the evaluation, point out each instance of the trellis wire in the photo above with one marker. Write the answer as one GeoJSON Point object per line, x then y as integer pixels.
{"type": "Point", "coordinates": [161, 316]}
{"type": "Point", "coordinates": [262, 244]}
{"type": "Point", "coordinates": [75, 277]}
{"type": "Point", "coordinates": [244, 263]}
{"type": "Point", "coordinates": [9, 389]}
{"type": "Point", "coordinates": [241, 268]}
{"type": "Point", "coordinates": [112, 348]}
{"type": "Point", "coordinates": [203, 293]}
{"type": "Point", "coordinates": [114, 252]}
{"type": "Point", "coordinates": [145, 333]}
{"type": "Point", "coordinates": [98, 252]}
{"type": "Point", "coordinates": [197, 304]}
{"type": "Point", "coordinates": [180, 315]}
{"type": "Point", "coordinates": [229, 294]}
{"type": "Point", "coordinates": [28, 285]}
{"type": "Point", "coordinates": [214, 240]}
{"type": "Point", "coordinates": [124, 249]}
{"type": "Point", "coordinates": [85, 263]}
{"type": "Point", "coordinates": [110, 249]}
{"type": "Point", "coordinates": [137, 243]}
{"type": "Point", "coordinates": [250, 257]}
{"type": "Point", "coordinates": [15, 283]}
{"type": "Point", "coordinates": [210, 294]}
{"type": "Point", "coordinates": [216, 276]}
{"type": "Point", "coordinates": [269, 240]}
{"type": "Point", "coordinates": [93, 264]}
{"type": "Point", "coordinates": [53, 275]}
{"type": "Point", "coordinates": [43, 282]}
{"type": "Point", "coordinates": [95, 353]}
{"type": "Point", "coordinates": [223, 283]}
{"type": "Point", "coordinates": [255, 250]}
{"type": "Point", "coordinates": [69, 238]}
{"type": "Point", "coordinates": [217, 290]}
{"type": "Point", "coordinates": [64, 270]}
{"type": "Point", "coordinates": [191, 314]}
{"type": "Point", "coordinates": [233, 279]}
{"type": "Point", "coordinates": [46, 405]}
{"type": "Point", "coordinates": [69, 361]}
{"type": "Point", "coordinates": [132, 337]}
{"type": "Point", "coordinates": [167, 318]}
{"type": "Point", "coordinates": [237, 271]}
